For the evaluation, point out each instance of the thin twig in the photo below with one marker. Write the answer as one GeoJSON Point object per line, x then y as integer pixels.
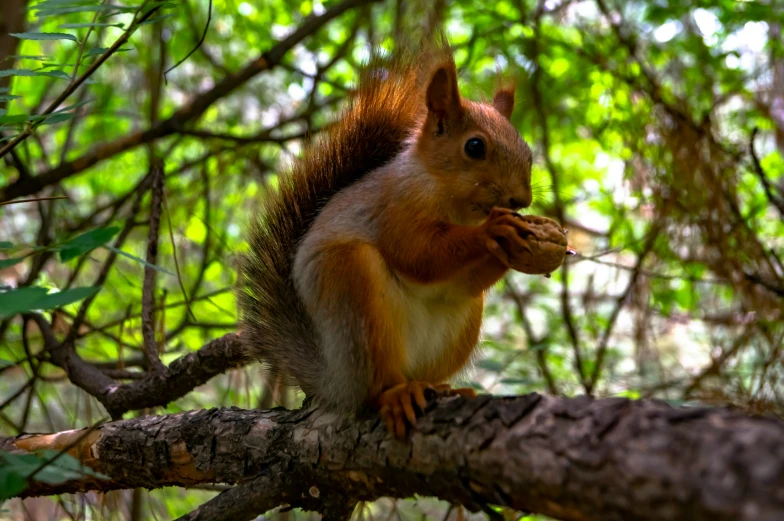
{"type": "Point", "coordinates": [601, 351]}
{"type": "Point", "coordinates": [75, 84]}
{"type": "Point", "coordinates": [34, 199]}
{"type": "Point", "coordinates": [760, 172]}
{"type": "Point", "coordinates": [538, 102]}
{"type": "Point", "coordinates": [186, 113]}
{"type": "Point", "coordinates": [198, 44]}
{"type": "Point", "coordinates": [176, 262]}
{"type": "Point", "coordinates": [84, 43]}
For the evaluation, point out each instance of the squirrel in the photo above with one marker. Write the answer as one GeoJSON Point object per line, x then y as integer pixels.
{"type": "Point", "coordinates": [365, 278]}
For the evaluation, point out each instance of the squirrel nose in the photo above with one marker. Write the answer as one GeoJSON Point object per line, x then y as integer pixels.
{"type": "Point", "coordinates": [517, 202]}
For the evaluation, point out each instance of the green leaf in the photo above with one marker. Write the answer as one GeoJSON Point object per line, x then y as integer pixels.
{"type": "Point", "coordinates": [65, 297]}
{"type": "Point", "coordinates": [55, 475]}
{"type": "Point", "coordinates": [87, 242]}
{"type": "Point", "coordinates": [17, 72]}
{"type": "Point", "coordinates": [516, 381]}
{"type": "Point", "coordinates": [158, 4]}
{"type": "Point", "coordinates": [28, 57]}
{"type": "Point", "coordinates": [6, 263]}
{"type": "Point", "coordinates": [100, 50]}
{"type": "Point", "coordinates": [20, 300]}
{"type": "Point", "coordinates": [45, 9]}
{"type": "Point", "coordinates": [137, 259]}
{"type": "Point", "coordinates": [491, 365]}
{"type": "Point", "coordinates": [12, 483]}
{"type": "Point", "coordinates": [74, 106]}
{"type": "Point", "coordinates": [93, 25]}
{"type": "Point", "coordinates": [9, 97]}
{"type": "Point", "coordinates": [156, 19]}
{"type": "Point", "coordinates": [58, 118]}
{"type": "Point", "coordinates": [49, 466]}
{"type": "Point", "coordinates": [55, 74]}
{"type": "Point", "coordinates": [163, 4]}
{"type": "Point", "coordinates": [28, 72]}
{"type": "Point", "coordinates": [68, 462]}
{"type": "Point", "coordinates": [45, 36]}
{"type": "Point", "coordinates": [16, 118]}
{"type": "Point", "coordinates": [6, 245]}
{"type": "Point", "coordinates": [54, 3]}
{"type": "Point", "coordinates": [6, 363]}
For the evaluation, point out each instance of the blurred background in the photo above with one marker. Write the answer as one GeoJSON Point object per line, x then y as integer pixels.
{"type": "Point", "coordinates": [658, 131]}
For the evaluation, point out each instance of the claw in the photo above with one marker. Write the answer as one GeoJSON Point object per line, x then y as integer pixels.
{"type": "Point", "coordinates": [396, 404]}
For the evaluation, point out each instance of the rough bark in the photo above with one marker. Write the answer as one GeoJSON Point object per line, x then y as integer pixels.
{"type": "Point", "coordinates": [576, 459]}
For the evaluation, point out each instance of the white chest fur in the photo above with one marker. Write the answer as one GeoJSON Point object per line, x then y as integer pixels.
{"type": "Point", "coordinates": [433, 318]}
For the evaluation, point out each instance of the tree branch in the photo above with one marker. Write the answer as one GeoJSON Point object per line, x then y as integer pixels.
{"type": "Point", "coordinates": [148, 289]}
{"type": "Point", "coordinates": [189, 112]}
{"type": "Point", "coordinates": [77, 82]}
{"type": "Point", "coordinates": [182, 376]}
{"type": "Point", "coordinates": [575, 459]}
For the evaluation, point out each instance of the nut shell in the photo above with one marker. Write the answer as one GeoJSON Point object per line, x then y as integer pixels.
{"type": "Point", "coordinates": [547, 244]}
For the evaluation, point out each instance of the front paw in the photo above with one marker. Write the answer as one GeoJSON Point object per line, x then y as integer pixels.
{"type": "Point", "coordinates": [396, 405]}
{"type": "Point", "coordinates": [526, 243]}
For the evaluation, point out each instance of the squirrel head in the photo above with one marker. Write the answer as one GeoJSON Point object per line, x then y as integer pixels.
{"type": "Point", "coordinates": [476, 157]}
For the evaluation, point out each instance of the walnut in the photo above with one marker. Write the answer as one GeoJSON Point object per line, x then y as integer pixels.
{"type": "Point", "coordinates": [547, 245]}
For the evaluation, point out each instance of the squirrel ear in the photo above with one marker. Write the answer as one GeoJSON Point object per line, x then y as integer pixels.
{"type": "Point", "coordinates": [443, 98]}
{"type": "Point", "coordinates": [503, 101]}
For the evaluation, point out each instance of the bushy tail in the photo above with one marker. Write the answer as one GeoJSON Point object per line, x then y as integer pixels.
{"type": "Point", "coordinates": [380, 116]}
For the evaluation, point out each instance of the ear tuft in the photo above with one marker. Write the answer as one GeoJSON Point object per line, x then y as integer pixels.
{"type": "Point", "coordinates": [503, 101]}
{"type": "Point", "coordinates": [443, 98]}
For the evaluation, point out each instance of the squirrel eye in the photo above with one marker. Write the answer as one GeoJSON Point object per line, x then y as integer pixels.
{"type": "Point", "coordinates": [475, 148]}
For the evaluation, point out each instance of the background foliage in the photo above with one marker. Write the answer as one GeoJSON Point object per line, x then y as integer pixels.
{"type": "Point", "coordinates": [658, 128]}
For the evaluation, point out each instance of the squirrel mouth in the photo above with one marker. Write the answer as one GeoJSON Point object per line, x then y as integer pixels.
{"type": "Point", "coordinates": [483, 208]}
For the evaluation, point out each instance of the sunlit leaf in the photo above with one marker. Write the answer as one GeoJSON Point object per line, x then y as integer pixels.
{"type": "Point", "coordinates": [45, 36]}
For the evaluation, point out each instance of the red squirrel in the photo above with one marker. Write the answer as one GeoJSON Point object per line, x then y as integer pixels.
{"type": "Point", "coordinates": [365, 278]}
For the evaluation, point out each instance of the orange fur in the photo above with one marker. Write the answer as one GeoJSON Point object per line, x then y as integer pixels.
{"type": "Point", "coordinates": [355, 273]}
